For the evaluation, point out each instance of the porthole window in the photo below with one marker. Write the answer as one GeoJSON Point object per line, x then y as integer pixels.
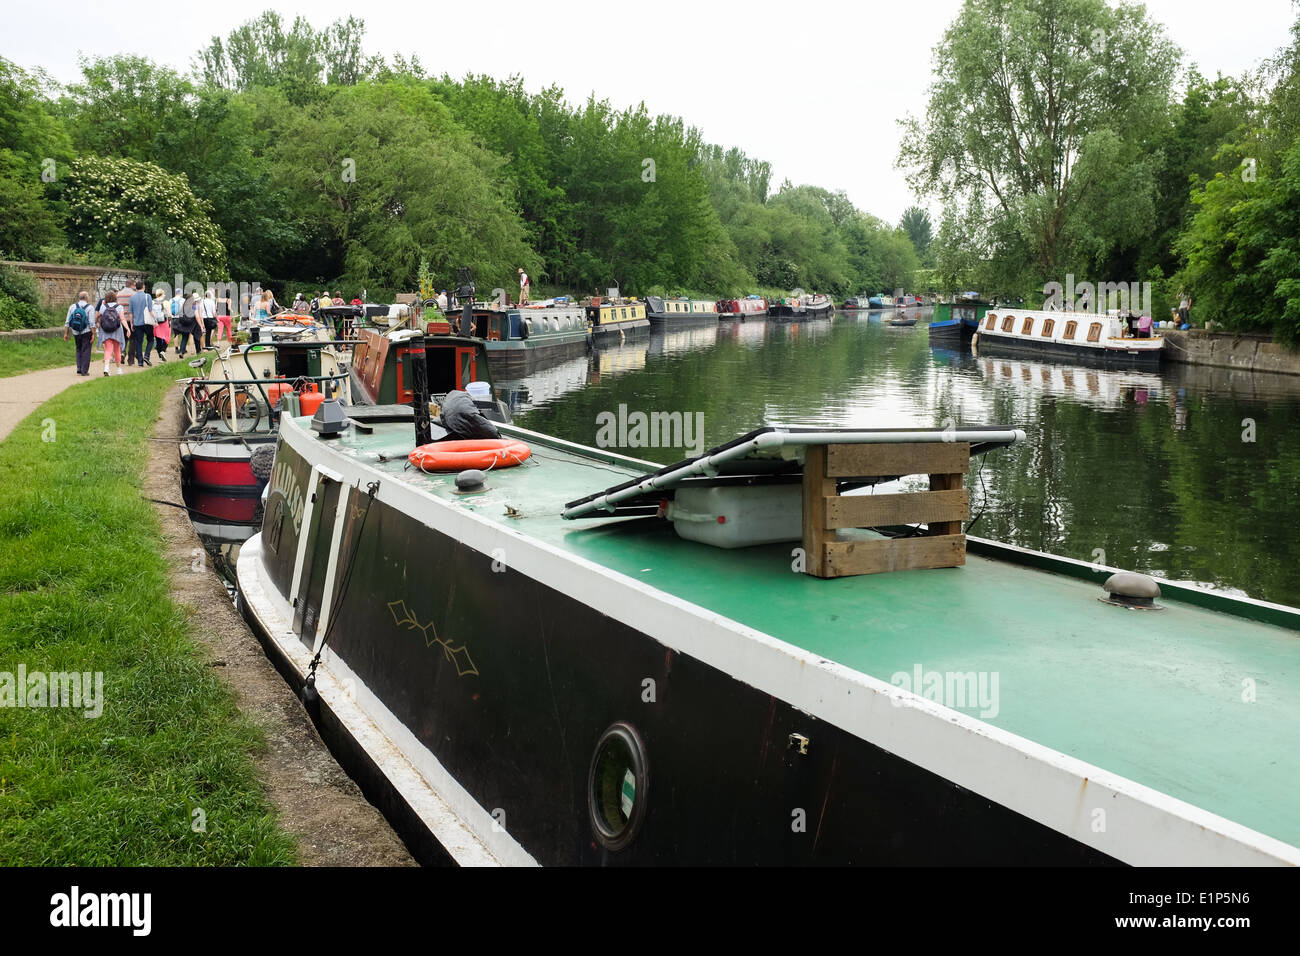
{"type": "Point", "coordinates": [1048, 326]}
{"type": "Point", "coordinates": [618, 786]}
{"type": "Point", "coordinates": [989, 322]}
{"type": "Point", "coordinates": [1094, 332]}
{"type": "Point", "coordinates": [1028, 327]}
{"type": "Point", "coordinates": [1008, 322]}
{"type": "Point", "coordinates": [1070, 328]}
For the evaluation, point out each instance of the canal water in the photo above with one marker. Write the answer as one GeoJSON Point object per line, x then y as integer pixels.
{"type": "Point", "coordinates": [1188, 473]}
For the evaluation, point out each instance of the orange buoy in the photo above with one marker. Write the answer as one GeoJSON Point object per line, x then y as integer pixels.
{"type": "Point", "coordinates": [476, 453]}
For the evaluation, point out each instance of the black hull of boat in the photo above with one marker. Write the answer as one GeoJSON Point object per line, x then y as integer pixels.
{"type": "Point", "coordinates": [662, 322]}
{"type": "Point", "coordinates": [511, 697]}
{"type": "Point", "coordinates": [508, 362]}
{"type": "Point", "coordinates": [622, 330]}
{"type": "Point", "coordinates": [992, 345]}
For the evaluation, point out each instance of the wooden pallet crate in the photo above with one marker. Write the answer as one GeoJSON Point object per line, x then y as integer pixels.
{"type": "Point", "coordinates": [942, 508]}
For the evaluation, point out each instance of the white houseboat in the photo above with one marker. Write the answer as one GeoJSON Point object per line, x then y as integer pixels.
{"type": "Point", "coordinates": [1110, 338]}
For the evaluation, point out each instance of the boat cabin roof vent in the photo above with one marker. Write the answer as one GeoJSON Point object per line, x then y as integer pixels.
{"type": "Point", "coordinates": [1132, 590]}
{"type": "Point", "coordinates": [329, 420]}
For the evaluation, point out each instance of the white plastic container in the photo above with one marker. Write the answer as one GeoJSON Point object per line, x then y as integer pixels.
{"type": "Point", "coordinates": [479, 391]}
{"type": "Point", "coordinates": [738, 517]}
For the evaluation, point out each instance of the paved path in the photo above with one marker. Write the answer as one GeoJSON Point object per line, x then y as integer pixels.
{"type": "Point", "coordinates": [20, 395]}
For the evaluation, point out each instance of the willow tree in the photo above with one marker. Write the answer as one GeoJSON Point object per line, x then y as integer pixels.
{"type": "Point", "coordinates": [1036, 125]}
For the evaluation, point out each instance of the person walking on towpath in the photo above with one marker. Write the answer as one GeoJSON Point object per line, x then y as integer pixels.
{"type": "Point", "coordinates": [80, 322]}
{"type": "Point", "coordinates": [186, 326]}
{"type": "Point", "coordinates": [140, 307]}
{"type": "Point", "coordinates": [523, 287]}
{"type": "Point", "coordinates": [208, 311]}
{"type": "Point", "coordinates": [162, 330]}
{"type": "Point", "coordinates": [112, 337]}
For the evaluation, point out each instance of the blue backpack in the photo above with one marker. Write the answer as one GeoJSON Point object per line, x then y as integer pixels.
{"type": "Point", "coordinates": [80, 320]}
{"type": "Point", "coordinates": [175, 307]}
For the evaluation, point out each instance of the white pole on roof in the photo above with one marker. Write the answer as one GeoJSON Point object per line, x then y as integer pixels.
{"type": "Point", "coordinates": [777, 439]}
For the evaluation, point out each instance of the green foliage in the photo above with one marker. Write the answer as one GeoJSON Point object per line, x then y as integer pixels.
{"type": "Point", "coordinates": [144, 213]}
{"type": "Point", "coordinates": [916, 223]}
{"type": "Point", "coordinates": [384, 176]}
{"type": "Point", "coordinates": [19, 285]}
{"type": "Point", "coordinates": [1031, 102]}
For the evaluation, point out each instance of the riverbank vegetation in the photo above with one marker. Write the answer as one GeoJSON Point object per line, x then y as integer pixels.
{"type": "Point", "coordinates": [1062, 137]}
{"type": "Point", "coordinates": [28, 355]}
{"type": "Point", "coordinates": [297, 160]}
{"type": "Point", "coordinates": [164, 774]}
{"type": "Point", "coordinates": [1071, 138]}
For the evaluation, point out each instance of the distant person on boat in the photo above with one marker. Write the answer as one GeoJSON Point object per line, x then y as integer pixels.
{"type": "Point", "coordinates": [442, 300]}
{"type": "Point", "coordinates": [140, 308]}
{"type": "Point", "coordinates": [186, 326]}
{"type": "Point", "coordinates": [162, 330]}
{"type": "Point", "coordinates": [112, 337]}
{"type": "Point", "coordinates": [1084, 300]}
{"type": "Point", "coordinates": [1144, 327]}
{"type": "Point", "coordinates": [523, 287]}
{"type": "Point", "coordinates": [80, 322]}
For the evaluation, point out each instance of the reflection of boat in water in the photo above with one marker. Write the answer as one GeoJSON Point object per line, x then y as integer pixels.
{"type": "Point", "coordinates": [612, 360]}
{"type": "Point", "coordinates": [1085, 337]}
{"type": "Point", "coordinates": [1090, 386]}
{"type": "Point", "coordinates": [491, 656]}
{"type": "Point", "coordinates": [684, 340]}
{"type": "Point", "coordinates": [544, 385]}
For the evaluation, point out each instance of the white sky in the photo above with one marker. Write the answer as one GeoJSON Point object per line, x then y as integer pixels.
{"type": "Point", "coordinates": [814, 87]}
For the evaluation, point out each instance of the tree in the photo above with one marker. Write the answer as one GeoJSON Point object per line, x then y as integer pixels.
{"type": "Point", "coordinates": [144, 215]}
{"type": "Point", "coordinates": [916, 223]}
{"type": "Point", "coordinates": [1028, 95]}
{"type": "Point", "coordinates": [387, 178]}
{"type": "Point", "coordinates": [33, 149]}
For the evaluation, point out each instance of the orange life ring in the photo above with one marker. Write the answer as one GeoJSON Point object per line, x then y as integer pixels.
{"type": "Point", "coordinates": [476, 453]}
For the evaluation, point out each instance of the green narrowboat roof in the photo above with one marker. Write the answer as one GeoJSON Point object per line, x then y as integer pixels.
{"type": "Point", "coordinates": [1159, 697]}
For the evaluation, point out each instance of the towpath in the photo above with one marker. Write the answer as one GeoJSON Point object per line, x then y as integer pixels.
{"type": "Point", "coordinates": [20, 395]}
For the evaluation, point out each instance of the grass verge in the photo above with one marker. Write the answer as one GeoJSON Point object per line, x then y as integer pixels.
{"type": "Point", "coordinates": [83, 587]}
{"type": "Point", "coordinates": [28, 355]}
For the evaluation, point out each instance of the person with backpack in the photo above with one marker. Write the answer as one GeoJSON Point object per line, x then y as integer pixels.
{"type": "Point", "coordinates": [186, 325]}
{"type": "Point", "coordinates": [112, 338]}
{"type": "Point", "coordinates": [80, 322]}
{"type": "Point", "coordinates": [207, 314]}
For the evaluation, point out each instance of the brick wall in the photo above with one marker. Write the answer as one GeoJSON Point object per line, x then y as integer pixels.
{"type": "Point", "coordinates": [60, 284]}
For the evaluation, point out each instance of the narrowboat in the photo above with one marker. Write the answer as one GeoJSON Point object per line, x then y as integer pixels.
{"type": "Point", "coordinates": [613, 320]}
{"type": "Point", "coordinates": [800, 307]}
{"type": "Point", "coordinates": [384, 369]}
{"type": "Point", "coordinates": [876, 302]}
{"type": "Point", "coordinates": [667, 314]}
{"type": "Point", "coordinates": [523, 336]}
{"type": "Point", "coordinates": [747, 658]}
{"type": "Point", "coordinates": [856, 304]}
{"type": "Point", "coordinates": [1089, 337]}
{"type": "Point", "coordinates": [750, 307]}
{"type": "Point", "coordinates": [233, 408]}
{"type": "Point", "coordinates": [956, 321]}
